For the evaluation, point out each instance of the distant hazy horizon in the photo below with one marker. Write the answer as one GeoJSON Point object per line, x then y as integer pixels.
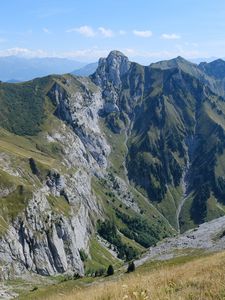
{"type": "Point", "coordinates": [81, 63]}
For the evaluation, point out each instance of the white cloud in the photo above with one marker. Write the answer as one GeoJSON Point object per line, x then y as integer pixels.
{"type": "Point", "coordinates": [88, 31]}
{"type": "Point", "coordinates": [106, 32]}
{"type": "Point", "coordinates": [142, 33]}
{"type": "Point", "coordinates": [23, 52]}
{"type": "Point", "coordinates": [46, 30]}
{"type": "Point", "coordinates": [84, 30]}
{"type": "Point", "coordinates": [171, 36]}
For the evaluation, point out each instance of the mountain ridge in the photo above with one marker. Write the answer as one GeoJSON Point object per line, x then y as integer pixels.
{"type": "Point", "coordinates": [113, 154]}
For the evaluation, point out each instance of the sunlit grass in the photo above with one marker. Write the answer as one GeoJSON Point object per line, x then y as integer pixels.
{"type": "Point", "coordinates": [196, 279]}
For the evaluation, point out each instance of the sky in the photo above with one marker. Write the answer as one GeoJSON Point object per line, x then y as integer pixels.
{"type": "Point", "coordinates": [144, 30]}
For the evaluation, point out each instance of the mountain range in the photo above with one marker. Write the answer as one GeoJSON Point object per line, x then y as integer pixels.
{"type": "Point", "coordinates": [87, 70]}
{"type": "Point", "coordinates": [116, 161]}
{"type": "Point", "coordinates": [15, 68]}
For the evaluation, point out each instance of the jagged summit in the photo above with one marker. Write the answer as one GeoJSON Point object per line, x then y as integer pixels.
{"type": "Point", "coordinates": [112, 57]}
{"type": "Point", "coordinates": [214, 62]}
{"type": "Point", "coordinates": [116, 53]}
{"type": "Point", "coordinates": [215, 68]}
{"type": "Point", "coordinates": [112, 68]}
{"type": "Point", "coordinates": [178, 61]}
{"type": "Point", "coordinates": [180, 58]}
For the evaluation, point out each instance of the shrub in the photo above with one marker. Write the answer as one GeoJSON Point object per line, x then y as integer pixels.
{"type": "Point", "coordinates": [83, 255]}
{"type": "Point", "coordinates": [76, 276]}
{"type": "Point", "coordinates": [131, 267]}
{"type": "Point", "coordinates": [33, 167]}
{"type": "Point", "coordinates": [100, 272]}
{"type": "Point", "coordinates": [110, 270]}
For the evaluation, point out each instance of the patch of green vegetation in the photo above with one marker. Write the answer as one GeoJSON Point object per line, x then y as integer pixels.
{"type": "Point", "coordinates": [8, 181]}
{"type": "Point", "coordinates": [83, 255]}
{"type": "Point", "coordinates": [108, 200]}
{"type": "Point", "coordinates": [115, 123]}
{"type": "Point", "coordinates": [59, 205]}
{"type": "Point", "coordinates": [52, 148]}
{"type": "Point", "coordinates": [132, 243]}
{"type": "Point", "coordinates": [138, 229]}
{"type": "Point", "coordinates": [12, 205]}
{"type": "Point", "coordinates": [152, 214]}
{"type": "Point", "coordinates": [185, 217]}
{"type": "Point", "coordinates": [23, 287]}
{"type": "Point", "coordinates": [108, 231]}
{"type": "Point", "coordinates": [26, 137]}
{"type": "Point", "coordinates": [220, 165]}
{"type": "Point", "coordinates": [62, 288]}
{"type": "Point", "coordinates": [100, 257]}
{"type": "Point", "coordinates": [118, 149]}
{"type": "Point", "coordinates": [158, 227]}
{"type": "Point", "coordinates": [168, 206]}
{"type": "Point", "coordinates": [181, 257]}
{"type": "Point", "coordinates": [26, 100]}
{"type": "Point", "coordinates": [214, 209]}
{"type": "Point", "coordinates": [23, 148]}
{"type": "Point", "coordinates": [156, 147]}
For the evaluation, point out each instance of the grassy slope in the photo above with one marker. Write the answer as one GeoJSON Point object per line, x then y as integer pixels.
{"type": "Point", "coordinates": [100, 257]}
{"type": "Point", "coordinates": [192, 277]}
{"type": "Point", "coordinates": [109, 206]}
{"type": "Point", "coordinates": [117, 159]}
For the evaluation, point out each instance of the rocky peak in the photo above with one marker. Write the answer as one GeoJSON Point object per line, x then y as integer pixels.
{"type": "Point", "coordinates": [178, 62]}
{"type": "Point", "coordinates": [215, 68]}
{"type": "Point", "coordinates": [111, 69]}
{"type": "Point", "coordinates": [180, 58]}
{"type": "Point", "coordinates": [116, 56]}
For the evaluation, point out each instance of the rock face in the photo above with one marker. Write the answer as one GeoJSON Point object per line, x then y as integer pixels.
{"type": "Point", "coordinates": [80, 110]}
{"type": "Point", "coordinates": [58, 220]}
{"type": "Point", "coordinates": [44, 242]}
{"type": "Point", "coordinates": [108, 76]}
{"type": "Point", "coordinates": [117, 145]}
{"type": "Point", "coordinates": [111, 69]}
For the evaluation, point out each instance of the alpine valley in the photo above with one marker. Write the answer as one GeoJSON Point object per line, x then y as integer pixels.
{"type": "Point", "coordinates": [95, 170]}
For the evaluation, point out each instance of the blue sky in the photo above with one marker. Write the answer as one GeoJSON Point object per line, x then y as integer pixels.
{"type": "Point", "coordinates": [144, 30]}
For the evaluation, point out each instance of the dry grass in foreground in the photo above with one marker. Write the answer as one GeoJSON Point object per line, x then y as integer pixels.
{"type": "Point", "coordinates": [200, 279]}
